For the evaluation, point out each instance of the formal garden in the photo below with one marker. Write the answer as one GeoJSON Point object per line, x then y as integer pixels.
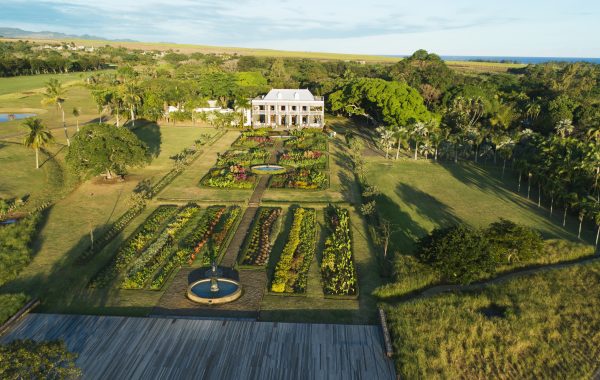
{"type": "Point", "coordinates": [408, 193]}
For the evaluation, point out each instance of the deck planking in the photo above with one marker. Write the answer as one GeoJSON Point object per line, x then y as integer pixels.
{"type": "Point", "coordinates": [171, 348]}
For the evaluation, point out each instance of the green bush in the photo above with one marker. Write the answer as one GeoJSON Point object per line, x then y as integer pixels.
{"type": "Point", "coordinates": [27, 359]}
{"type": "Point", "coordinates": [15, 246]}
{"type": "Point", "coordinates": [10, 304]}
{"type": "Point", "coordinates": [460, 254]}
{"type": "Point", "coordinates": [513, 242]}
{"type": "Point", "coordinates": [410, 275]}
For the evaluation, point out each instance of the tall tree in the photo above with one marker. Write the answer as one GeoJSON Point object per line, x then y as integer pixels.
{"type": "Point", "coordinates": [104, 149]}
{"type": "Point", "coordinates": [38, 136]}
{"type": "Point", "coordinates": [76, 114]}
{"type": "Point", "coordinates": [55, 95]}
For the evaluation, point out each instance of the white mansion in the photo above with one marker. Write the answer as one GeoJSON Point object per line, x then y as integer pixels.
{"type": "Point", "coordinates": [289, 108]}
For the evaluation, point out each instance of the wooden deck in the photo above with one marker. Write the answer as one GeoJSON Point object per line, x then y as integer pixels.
{"type": "Point", "coordinates": [167, 348]}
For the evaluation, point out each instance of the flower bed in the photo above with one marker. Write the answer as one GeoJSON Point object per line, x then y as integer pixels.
{"type": "Point", "coordinates": [252, 139]}
{"type": "Point", "coordinates": [129, 249]}
{"type": "Point", "coordinates": [233, 177]}
{"type": "Point", "coordinates": [303, 178]}
{"type": "Point", "coordinates": [216, 219]}
{"type": "Point", "coordinates": [292, 269]}
{"type": "Point", "coordinates": [246, 157]}
{"type": "Point", "coordinates": [154, 256]}
{"type": "Point", "coordinates": [258, 244]}
{"type": "Point", "coordinates": [304, 159]}
{"type": "Point", "coordinates": [307, 140]}
{"type": "Point", "coordinates": [337, 266]}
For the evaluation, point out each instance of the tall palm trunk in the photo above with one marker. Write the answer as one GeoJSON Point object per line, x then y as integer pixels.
{"type": "Point", "coordinates": [597, 236]}
{"type": "Point", "coordinates": [476, 152]}
{"type": "Point", "coordinates": [565, 216]}
{"type": "Point", "coordinates": [435, 154]}
{"type": "Point", "coordinates": [65, 126]}
{"type": "Point", "coordinates": [77, 124]}
{"type": "Point", "coordinates": [551, 203]}
{"type": "Point", "coordinates": [579, 231]}
{"type": "Point", "coordinates": [416, 149]}
{"type": "Point", "coordinates": [37, 158]}
{"type": "Point", "coordinates": [539, 195]}
{"type": "Point", "coordinates": [132, 116]}
{"type": "Point", "coordinates": [503, 167]}
{"type": "Point", "coordinates": [519, 186]}
{"type": "Point", "coordinates": [398, 149]}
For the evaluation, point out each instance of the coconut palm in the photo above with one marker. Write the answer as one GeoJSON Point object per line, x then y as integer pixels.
{"type": "Point", "coordinates": [131, 98]}
{"type": "Point", "coordinates": [564, 128]}
{"type": "Point", "coordinates": [386, 138]}
{"type": "Point", "coordinates": [38, 136]}
{"type": "Point", "coordinates": [419, 134]}
{"type": "Point", "coordinates": [76, 114]}
{"type": "Point", "coordinates": [54, 95]}
{"type": "Point", "coordinates": [401, 135]}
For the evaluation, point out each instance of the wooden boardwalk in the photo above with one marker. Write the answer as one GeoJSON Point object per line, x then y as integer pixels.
{"type": "Point", "coordinates": [164, 348]}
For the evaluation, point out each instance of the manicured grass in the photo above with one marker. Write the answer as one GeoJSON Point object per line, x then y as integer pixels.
{"type": "Point", "coordinates": [27, 83]}
{"type": "Point", "coordinates": [537, 327]}
{"type": "Point", "coordinates": [418, 196]}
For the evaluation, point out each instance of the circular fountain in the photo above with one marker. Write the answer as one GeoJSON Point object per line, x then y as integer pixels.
{"type": "Point", "coordinates": [214, 290]}
{"type": "Point", "coordinates": [268, 169]}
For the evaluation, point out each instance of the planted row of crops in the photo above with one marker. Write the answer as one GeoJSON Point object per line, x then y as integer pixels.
{"type": "Point", "coordinates": [170, 237]}
{"type": "Point", "coordinates": [215, 224]}
{"type": "Point", "coordinates": [337, 266]}
{"type": "Point", "coordinates": [291, 271]}
{"type": "Point", "coordinates": [134, 245]}
{"type": "Point", "coordinates": [258, 243]}
{"type": "Point", "coordinates": [151, 259]}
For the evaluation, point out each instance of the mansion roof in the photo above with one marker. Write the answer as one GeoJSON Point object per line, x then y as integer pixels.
{"type": "Point", "coordinates": [302, 95]}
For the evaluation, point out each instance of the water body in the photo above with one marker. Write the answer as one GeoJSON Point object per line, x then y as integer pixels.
{"type": "Point", "coordinates": [525, 60]}
{"type": "Point", "coordinates": [14, 116]}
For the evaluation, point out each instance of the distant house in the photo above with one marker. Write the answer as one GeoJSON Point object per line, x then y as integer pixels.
{"type": "Point", "coordinates": [288, 108]}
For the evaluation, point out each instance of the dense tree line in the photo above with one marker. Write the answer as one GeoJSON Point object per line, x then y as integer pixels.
{"type": "Point", "coordinates": [543, 121]}
{"type": "Point", "coordinates": [23, 58]}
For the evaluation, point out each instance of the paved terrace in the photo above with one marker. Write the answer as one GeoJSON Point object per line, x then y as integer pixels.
{"type": "Point", "coordinates": [167, 348]}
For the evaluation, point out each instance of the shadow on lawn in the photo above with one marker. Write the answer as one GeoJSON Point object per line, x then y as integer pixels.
{"type": "Point", "coordinates": [488, 180]}
{"type": "Point", "coordinates": [149, 133]}
{"type": "Point", "coordinates": [64, 286]}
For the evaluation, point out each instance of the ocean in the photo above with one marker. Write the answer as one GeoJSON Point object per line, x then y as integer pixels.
{"type": "Point", "coordinates": [525, 60]}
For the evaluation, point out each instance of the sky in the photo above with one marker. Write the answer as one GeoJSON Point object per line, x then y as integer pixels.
{"type": "Point", "coordinates": [391, 27]}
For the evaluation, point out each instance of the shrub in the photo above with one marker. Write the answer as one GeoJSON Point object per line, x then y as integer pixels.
{"type": "Point", "coordinates": [460, 254]}
{"type": "Point", "coordinates": [10, 304]}
{"type": "Point", "coordinates": [15, 245]}
{"type": "Point", "coordinates": [513, 242]}
{"type": "Point", "coordinates": [305, 178]}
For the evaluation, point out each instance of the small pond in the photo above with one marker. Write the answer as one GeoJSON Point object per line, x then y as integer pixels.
{"type": "Point", "coordinates": [14, 116]}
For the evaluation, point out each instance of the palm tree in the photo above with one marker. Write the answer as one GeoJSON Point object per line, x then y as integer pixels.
{"type": "Point", "coordinates": [76, 115]}
{"type": "Point", "coordinates": [37, 137]}
{"type": "Point", "coordinates": [401, 134]}
{"type": "Point", "coordinates": [564, 128]}
{"type": "Point", "coordinates": [386, 137]}
{"type": "Point", "coordinates": [419, 133]}
{"type": "Point", "coordinates": [54, 95]}
{"type": "Point", "coordinates": [132, 99]}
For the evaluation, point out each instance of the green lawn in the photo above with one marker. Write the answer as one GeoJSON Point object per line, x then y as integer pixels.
{"type": "Point", "coordinates": [418, 196]}
{"type": "Point", "coordinates": [542, 326]}
{"type": "Point", "coordinates": [27, 83]}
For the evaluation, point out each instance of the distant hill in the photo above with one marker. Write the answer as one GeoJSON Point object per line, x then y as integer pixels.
{"type": "Point", "coordinates": [46, 35]}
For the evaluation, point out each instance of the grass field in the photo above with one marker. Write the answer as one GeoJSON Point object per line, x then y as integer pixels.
{"type": "Point", "coordinates": [34, 83]}
{"type": "Point", "coordinates": [537, 327]}
{"type": "Point", "coordinates": [418, 196]}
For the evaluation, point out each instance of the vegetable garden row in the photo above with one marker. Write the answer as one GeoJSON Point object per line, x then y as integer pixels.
{"type": "Point", "coordinates": [290, 264]}
{"type": "Point", "coordinates": [169, 238]}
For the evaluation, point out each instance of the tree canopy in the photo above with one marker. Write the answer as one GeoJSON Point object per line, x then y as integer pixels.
{"type": "Point", "coordinates": [102, 148]}
{"type": "Point", "coordinates": [381, 101]}
{"type": "Point", "coordinates": [27, 359]}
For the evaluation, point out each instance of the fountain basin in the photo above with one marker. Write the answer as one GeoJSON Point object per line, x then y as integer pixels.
{"type": "Point", "coordinates": [268, 169]}
{"type": "Point", "coordinates": [229, 290]}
